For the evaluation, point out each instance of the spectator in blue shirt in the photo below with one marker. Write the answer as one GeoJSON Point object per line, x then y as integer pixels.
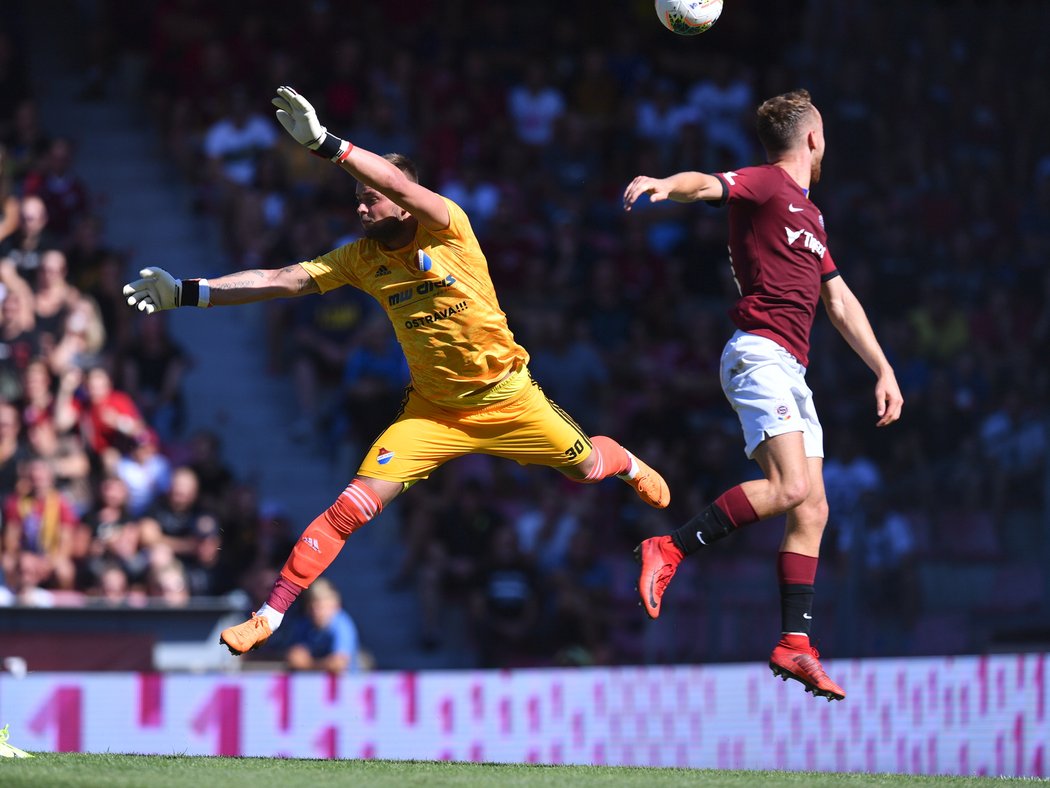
{"type": "Point", "coordinates": [327, 638]}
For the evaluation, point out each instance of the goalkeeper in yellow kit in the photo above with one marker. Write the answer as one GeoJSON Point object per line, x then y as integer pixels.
{"type": "Point", "coordinates": [470, 392]}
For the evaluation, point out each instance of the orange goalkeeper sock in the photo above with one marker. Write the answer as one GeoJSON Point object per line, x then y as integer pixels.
{"type": "Point", "coordinates": [611, 459]}
{"type": "Point", "coordinates": [324, 537]}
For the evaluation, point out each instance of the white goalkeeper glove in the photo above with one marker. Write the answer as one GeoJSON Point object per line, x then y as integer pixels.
{"type": "Point", "coordinates": [158, 290]}
{"type": "Point", "coordinates": [299, 119]}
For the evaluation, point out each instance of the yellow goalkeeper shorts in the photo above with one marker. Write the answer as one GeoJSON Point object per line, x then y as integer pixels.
{"type": "Point", "coordinates": [527, 428]}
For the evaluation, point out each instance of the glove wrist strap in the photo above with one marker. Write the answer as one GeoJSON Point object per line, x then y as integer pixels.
{"type": "Point", "coordinates": [333, 148]}
{"type": "Point", "coordinates": [195, 292]}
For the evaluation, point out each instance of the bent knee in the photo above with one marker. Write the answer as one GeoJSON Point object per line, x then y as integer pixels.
{"type": "Point", "coordinates": [792, 494]}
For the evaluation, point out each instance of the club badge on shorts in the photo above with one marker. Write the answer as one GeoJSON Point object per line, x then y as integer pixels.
{"type": "Point", "coordinates": [384, 456]}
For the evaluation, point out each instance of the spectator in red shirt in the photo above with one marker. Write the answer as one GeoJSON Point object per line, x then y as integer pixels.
{"type": "Point", "coordinates": [109, 419]}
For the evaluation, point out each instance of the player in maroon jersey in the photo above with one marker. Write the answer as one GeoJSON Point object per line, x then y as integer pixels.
{"type": "Point", "coordinates": [782, 267]}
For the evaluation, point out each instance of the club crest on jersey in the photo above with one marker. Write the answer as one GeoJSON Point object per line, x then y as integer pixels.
{"type": "Point", "coordinates": [425, 263]}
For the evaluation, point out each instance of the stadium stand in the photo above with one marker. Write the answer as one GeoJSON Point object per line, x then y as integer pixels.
{"type": "Point", "coordinates": [940, 527]}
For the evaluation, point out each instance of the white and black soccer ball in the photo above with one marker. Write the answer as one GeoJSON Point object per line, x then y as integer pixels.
{"type": "Point", "coordinates": [688, 17]}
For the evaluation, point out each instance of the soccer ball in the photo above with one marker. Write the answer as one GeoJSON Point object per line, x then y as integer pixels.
{"type": "Point", "coordinates": [688, 17]}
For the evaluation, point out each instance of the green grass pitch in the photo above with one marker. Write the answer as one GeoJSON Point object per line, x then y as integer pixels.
{"type": "Point", "coordinates": [74, 770]}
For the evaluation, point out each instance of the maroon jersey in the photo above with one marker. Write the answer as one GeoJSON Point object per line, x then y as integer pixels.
{"type": "Point", "coordinates": [778, 249]}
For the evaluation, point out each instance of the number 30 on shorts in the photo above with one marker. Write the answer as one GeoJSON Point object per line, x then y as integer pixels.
{"type": "Point", "coordinates": [574, 451]}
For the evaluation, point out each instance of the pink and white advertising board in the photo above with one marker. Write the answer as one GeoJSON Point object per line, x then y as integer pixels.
{"type": "Point", "coordinates": [961, 715]}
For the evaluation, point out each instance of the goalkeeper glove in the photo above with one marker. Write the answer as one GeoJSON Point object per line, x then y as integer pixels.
{"type": "Point", "coordinates": [299, 119]}
{"type": "Point", "coordinates": [158, 290]}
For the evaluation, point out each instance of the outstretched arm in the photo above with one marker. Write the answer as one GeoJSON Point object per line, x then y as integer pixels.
{"type": "Point", "coordinates": [848, 317]}
{"type": "Point", "coordinates": [245, 287]}
{"type": "Point", "coordinates": [158, 290]}
{"type": "Point", "coordinates": [299, 119]}
{"type": "Point", "coordinates": [681, 187]}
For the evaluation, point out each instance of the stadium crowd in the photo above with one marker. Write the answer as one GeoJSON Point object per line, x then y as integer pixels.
{"type": "Point", "coordinates": [937, 196]}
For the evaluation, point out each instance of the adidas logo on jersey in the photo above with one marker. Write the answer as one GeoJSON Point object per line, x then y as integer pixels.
{"type": "Point", "coordinates": [382, 271]}
{"type": "Point", "coordinates": [312, 542]}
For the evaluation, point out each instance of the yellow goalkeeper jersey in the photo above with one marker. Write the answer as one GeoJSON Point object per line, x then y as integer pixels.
{"type": "Point", "coordinates": [439, 297]}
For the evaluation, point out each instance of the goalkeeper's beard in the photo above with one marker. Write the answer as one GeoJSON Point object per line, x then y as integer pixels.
{"type": "Point", "coordinates": [388, 231]}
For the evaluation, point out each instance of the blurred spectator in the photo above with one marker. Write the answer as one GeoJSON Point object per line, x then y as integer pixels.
{"type": "Point", "coordinates": [108, 419]}
{"type": "Point", "coordinates": [19, 340]}
{"type": "Point", "coordinates": [578, 620]}
{"type": "Point", "coordinates": [456, 551]}
{"type": "Point", "coordinates": [214, 477]}
{"type": "Point", "coordinates": [115, 537]}
{"type": "Point", "coordinates": [166, 579]}
{"type": "Point", "coordinates": [145, 472]}
{"type": "Point", "coordinates": [33, 237]}
{"type": "Point", "coordinates": [85, 253]}
{"type": "Point", "coordinates": [113, 313]}
{"type": "Point", "coordinates": [1014, 440]}
{"type": "Point", "coordinates": [53, 298]}
{"type": "Point", "coordinates": [887, 548]}
{"type": "Point", "coordinates": [152, 373]}
{"type": "Point", "coordinates": [475, 194]}
{"type": "Point", "coordinates": [326, 638]}
{"type": "Point", "coordinates": [244, 531]}
{"type": "Point", "coordinates": [12, 449]}
{"type": "Point", "coordinates": [65, 455]}
{"type": "Point", "coordinates": [939, 325]}
{"type": "Point", "coordinates": [546, 527]}
{"type": "Point", "coordinates": [567, 363]}
{"type": "Point", "coordinates": [234, 143]}
{"type": "Point", "coordinates": [535, 106]}
{"type": "Point", "coordinates": [26, 142]}
{"type": "Point", "coordinates": [848, 477]}
{"type": "Point", "coordinates": [374, 372]}
{"type": "Point", "coordinates": [721, 103]}
{"type": "Point", "coordinates": [38, 396]}
{"type": "Point", "coordinates": [62, 190]}
{"type": "Point", "coordinates": [177, 522]}
{"type": "Point", "coordinates": [83, 337]}
{"type": "Point", "coordinates": [659, 118]}
{"type": "Point", "coordinates": [323, 334]}
{"type": "Point", "coordinates": [505, 603]}
{"type": "Point", "coordinates": [24, 582]}
{"type": "Point", "coordinates": [112, 587]}
{"type": "Point", "coordinates": [41, 521]}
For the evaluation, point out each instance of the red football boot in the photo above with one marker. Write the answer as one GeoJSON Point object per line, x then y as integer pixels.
{"type": "Point", "coordinates": [794, 658]}
{"type": "Point", "coordinates": [659, 557]}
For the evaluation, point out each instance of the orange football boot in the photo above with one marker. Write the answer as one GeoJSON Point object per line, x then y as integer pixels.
{"type": "Point", "coordinates": [242, 638]}
{"type": "Point", "coordinates": [649, 485]}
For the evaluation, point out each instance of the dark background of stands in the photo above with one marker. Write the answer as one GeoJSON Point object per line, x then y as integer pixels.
{"type": "Point", "coordinates": [534, 117]}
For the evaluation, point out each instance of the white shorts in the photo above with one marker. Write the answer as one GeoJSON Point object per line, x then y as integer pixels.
{"type": "Point", "coordinates": [767, 388]}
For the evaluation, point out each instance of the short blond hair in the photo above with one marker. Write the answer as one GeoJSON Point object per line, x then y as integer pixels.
{"type": "Point", "coordinates": [781, 118]}
{"type": "Point", "coordinates": [322, 589]}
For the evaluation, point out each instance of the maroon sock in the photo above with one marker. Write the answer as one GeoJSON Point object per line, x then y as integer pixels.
{"type": "Point", "coordinates": [737, 507]}
{"type": "Point", "coordinates": [796, 569]}
{"type": "Point", "coordinates": [283, 594]}
{"type": "Point", "coordinates": [796, 573]}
